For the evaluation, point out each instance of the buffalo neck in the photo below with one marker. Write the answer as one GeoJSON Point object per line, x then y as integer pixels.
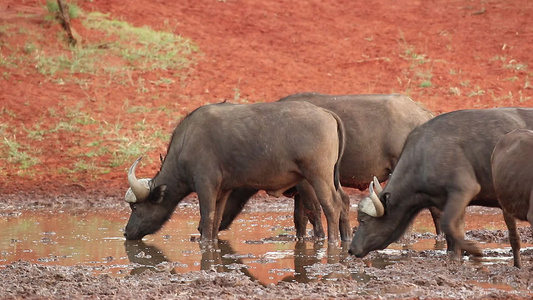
{"type": "Point", "coordinates": [176, 189]}
{"type": "Point", "coordinates": [404, 217]}
{"type": "Point", "coordinates": [404, 201]}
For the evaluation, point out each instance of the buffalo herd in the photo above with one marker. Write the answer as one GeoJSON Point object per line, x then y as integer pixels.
{"type": "Point", "coordinates": [311, 145]}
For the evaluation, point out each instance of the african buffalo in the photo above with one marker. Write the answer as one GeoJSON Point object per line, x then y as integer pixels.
{"type": "Point", "coordinates": [512, 174]}
{"type": "Point", "coordinates": [445, 163]}
{"type": "Point", "coordinates": [221, 147]}
{"type": "Point", "coordinates": [376, 129]}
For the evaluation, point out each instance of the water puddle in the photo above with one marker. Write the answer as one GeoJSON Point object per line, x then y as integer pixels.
{"type": "Point", "coordinates": [259, 244]}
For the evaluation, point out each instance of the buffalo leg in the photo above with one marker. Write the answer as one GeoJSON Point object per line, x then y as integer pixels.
{"type": "Point", "coordinates": [219, 211]}
{"type": "Point", "coordinates": [331, 205]}
{"type": "Point", "coordinates": [530, 209]}
{"type": "Point", "coordinates": [207, 198]}
{"type": "Point", "coordinates": [344, 221]}
{"type": "Point", "coordinates": [309, 208]}
{"type": "Point", "coordinates": [450, 243]}
{"type": "Point", "coordinates": [300, 217]}
{"type": "Point", "coordinates": [452, 220]}
{"type": "Point", "coordinates": [514, 238]}
{"type": "Point", "coordinates": [435, 215]}
{"type": "Point", "coordinates": [235, 204]}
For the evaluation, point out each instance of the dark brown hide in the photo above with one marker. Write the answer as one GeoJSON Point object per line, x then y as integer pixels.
{"type": "Point", "coordinates": [445, 163]}
{"type": "Point", "coordinates": [222, 147]}
{"type": "Point", "coordinates": [376, 129]}
{"type": "Point", "coordinates": [512, 173]}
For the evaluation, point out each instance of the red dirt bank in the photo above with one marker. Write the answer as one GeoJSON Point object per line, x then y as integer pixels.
{"type": "Point", "coordinates": [446, 54]}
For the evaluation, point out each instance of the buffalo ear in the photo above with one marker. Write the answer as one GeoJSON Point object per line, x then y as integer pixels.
{"type": "Point", "coordinates": [158, 193]}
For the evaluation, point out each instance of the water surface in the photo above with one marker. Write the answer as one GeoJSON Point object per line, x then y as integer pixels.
{"type": "Point", "coordinates": [260, 244]}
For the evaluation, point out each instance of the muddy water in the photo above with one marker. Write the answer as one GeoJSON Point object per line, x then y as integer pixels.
{"type": "Point", "coordinates": [260, 244]}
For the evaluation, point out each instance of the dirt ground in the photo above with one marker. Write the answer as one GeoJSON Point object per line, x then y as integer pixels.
{"type": "Point", "coordinates": [448, 55]}
{"type": "Point", "coordinates": [425, 276]}
{"type": "Point", "coordinates": [413, 274]}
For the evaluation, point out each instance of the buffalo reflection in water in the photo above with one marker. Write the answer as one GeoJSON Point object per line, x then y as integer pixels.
{"type": "Point", "coordinates": [221, 257]}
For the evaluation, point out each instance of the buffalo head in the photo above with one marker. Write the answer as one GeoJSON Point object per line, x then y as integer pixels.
{"type": "Point", "coordinates": [381, 221]}
{"type": "Point", "coordinates": [148, 210]}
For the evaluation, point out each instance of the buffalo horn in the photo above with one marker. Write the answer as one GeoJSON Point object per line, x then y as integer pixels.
{"type": "Point", "coordinates": [139, 188]}
{"type": "Point", "coordinates": [377, 185]}
{"type": "Point", "coordinates": [371, 205]}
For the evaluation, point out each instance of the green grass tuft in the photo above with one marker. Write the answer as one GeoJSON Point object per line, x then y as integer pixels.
{"type": "Point", "coordinates": [143, 47]}
{"type": "Point", "coordinates": [53, 9]}
{"type": "Point", "coordinates": [14, 154]}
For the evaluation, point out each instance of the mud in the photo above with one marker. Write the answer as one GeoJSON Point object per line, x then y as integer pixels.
{"type": "Point", "coordinates": [429, 279]}
{"type": "Point", "coordinates": [318, 272]}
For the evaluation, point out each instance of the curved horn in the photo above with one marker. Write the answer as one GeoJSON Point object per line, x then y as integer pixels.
{"type": "Point", "coordinates": [380, 210]}
{"type": "Point", "coordinates": [139, 189]}
{"type": "Point", "coordinates": [371, 205]}
{"type": "Point", "coordinates": [377, 185]}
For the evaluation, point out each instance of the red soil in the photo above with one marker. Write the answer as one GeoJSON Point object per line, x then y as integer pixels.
{"type": "Point", "coordinates": [476, 54]}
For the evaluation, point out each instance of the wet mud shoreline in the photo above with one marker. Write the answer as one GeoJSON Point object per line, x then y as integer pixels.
{"type": "Point", "coordinates": [390, 274]}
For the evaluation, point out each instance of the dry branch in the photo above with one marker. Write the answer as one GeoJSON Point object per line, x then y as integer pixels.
{"type": "Point", "coordinates": [65, 22]}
